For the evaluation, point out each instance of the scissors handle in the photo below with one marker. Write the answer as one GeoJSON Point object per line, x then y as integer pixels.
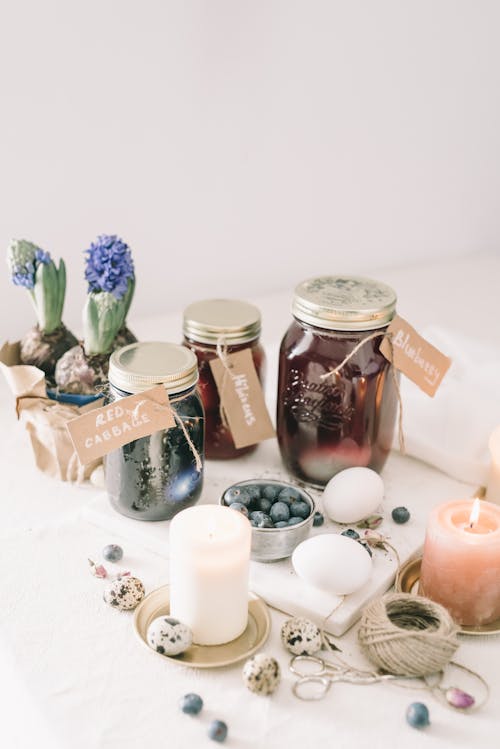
{"type": "Point", "coordinates": [295, 668]}
{"type": "Point", "coordinates": [300, 688]}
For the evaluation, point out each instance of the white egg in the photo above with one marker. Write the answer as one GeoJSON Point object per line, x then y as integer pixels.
{"type": "Point", "coordinates": [333, 563]}
{"type": "Point", "coordinates": [353, 494]}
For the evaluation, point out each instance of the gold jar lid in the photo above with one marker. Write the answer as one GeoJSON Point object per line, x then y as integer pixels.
{"type": "Point", "coordinates": [141, 366]}
{"type": "Point", "coordinates": [227, 320]}
{"type": "Point", "coordinates": [344, 303]}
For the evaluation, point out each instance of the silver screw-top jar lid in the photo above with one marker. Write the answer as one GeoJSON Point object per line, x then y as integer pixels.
{"type": "Point", "coordinates": [344, 303]}
{"type": "Point", "coordinates": [141, 366]}
{"type": "Point", "coordinates": [229, 320]}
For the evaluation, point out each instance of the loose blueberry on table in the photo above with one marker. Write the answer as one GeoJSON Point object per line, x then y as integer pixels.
{"type": "Point", "coordinates": [112, 553]}
{"type": "Point", "coordinates": [351, 533]}
{"type": "Point", "coordinates": [217, 730]}
{"type": "Point", "coordinates": [191, 704]}
{"type": "Point", "coordinates": [319, 519]}
{"type": "Point", "coordinates": [400, 515]}
{"type": "Point", "coordinates": [417, 715]}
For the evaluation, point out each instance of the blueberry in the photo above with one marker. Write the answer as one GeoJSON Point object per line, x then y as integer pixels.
{"type": "Point", "coordinates": [239, 507]}
{"type": "Point", "coordinates": [279, 512]}
{"type": "Point", "coordinates": [295, 520]}
{"type": "Point", "coordinates": [261, 520]}
{"type": "Point", "coordinates": [288, 495]}
{"type": "Point", "coordinates": [417, 715]}
{"type": "Point", "coordinates": [400, 515]}
{"type": "Point", "coordinates": [235, 494]}
{"type": "Point", "coordinates": [270, 492]}
{"type": "Point", "coordinates": [217, 730]}
{"type": "Point", "coordinates": [253, 491]}
{"type": "Point", "coordinates": [319, 519]}
{"type": "Point", "coordinates": [264, 504]}
{"type": "Point", "coordinates": [351, 533]}
{"type": "Point", "coordinates": [300, 509]}
{"type": "Point", "coordinates": [191, 704]}
{"type": "Point", "coordinates": [112, 553]}
{"type": "Point", "coordinates": [281, 524]}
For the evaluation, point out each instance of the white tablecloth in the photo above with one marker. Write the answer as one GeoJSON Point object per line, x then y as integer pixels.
{"type": "Point", "coordinates": [72, 674]}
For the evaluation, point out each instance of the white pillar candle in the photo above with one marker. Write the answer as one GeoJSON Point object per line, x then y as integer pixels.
{"type": "Point", "coordinates": [209, 565]}
{"type": "Point", "coordinates": [493, 488]}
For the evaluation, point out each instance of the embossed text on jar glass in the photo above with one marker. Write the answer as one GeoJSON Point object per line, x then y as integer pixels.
{"type": "Point", "coordinates": [154, 477]}
{"type": "Point", "coordinates": [328, 423]}
{"type": "Point", "coordinates": [216, 327]}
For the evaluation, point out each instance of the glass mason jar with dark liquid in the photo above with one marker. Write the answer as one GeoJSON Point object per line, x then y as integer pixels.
{"type": "Point", "coordinates": [328, 422]}
{"type": "Point", "coordinates": [154, 477]}
{"type": "Point", "coordinates": [216, 327]}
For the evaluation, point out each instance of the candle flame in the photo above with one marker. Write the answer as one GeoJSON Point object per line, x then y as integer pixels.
{"type": "Point", "coordinates": [474, 515]}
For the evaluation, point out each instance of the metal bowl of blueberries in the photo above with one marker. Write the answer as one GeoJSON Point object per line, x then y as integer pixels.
{"type": "Point", "coordinates": [281, 515]}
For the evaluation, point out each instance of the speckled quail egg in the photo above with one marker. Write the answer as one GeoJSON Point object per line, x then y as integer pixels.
{"type": "Point", "coordinates": [261, 674]}
{"type": "Point", "coordinates": [301, 636]}
{"type": "Point", "coordinates": [169, 636]}
{"type": "Point", "coordinates": [124, 593]}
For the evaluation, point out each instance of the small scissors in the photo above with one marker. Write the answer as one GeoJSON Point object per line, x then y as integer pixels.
{"type": "Point", "coordinates": [325, 673]}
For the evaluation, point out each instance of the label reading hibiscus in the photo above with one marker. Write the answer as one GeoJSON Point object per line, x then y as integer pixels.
{"type": "Point", "coordinates": [105, 429]}
{"type": "Point", "coordinates": [415, 357]}
{"type": "Point", "coordinates": [242, 399]}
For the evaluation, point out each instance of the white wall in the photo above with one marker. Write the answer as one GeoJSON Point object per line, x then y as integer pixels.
{"type": "Point", "coordinates": [241, 146]}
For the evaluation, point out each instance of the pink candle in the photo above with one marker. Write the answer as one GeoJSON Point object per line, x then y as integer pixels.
{"type": "Point", "coordinates": [461, 563]}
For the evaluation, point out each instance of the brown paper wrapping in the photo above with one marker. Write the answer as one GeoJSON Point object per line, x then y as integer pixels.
{"type": "Point", "coordinates": [44, 418]}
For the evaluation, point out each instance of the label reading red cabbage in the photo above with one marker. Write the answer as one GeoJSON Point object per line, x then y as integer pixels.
{"type": "Point", "coordinates": [414, 356]}
{"type": "Point", "coordinates": [105, 429]}
{"type": "Point", "coordinates": [242, 398]}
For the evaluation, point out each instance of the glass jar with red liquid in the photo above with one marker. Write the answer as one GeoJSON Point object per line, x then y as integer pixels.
{"type": "Point", "coordinates": [326, 423]}
{"type": "Point", "coordinates": [216, 327]}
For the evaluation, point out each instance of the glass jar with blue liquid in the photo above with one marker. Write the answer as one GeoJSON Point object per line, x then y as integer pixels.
{"type": "Point", "coordinates": [155, 477]}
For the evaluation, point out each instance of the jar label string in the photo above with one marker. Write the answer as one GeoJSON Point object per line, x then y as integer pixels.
{"type": "Point", "coordinates": [387, 337]}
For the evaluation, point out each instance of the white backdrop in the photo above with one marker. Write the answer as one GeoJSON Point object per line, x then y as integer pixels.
{"type": "Point", "coordinates": [240, 146]}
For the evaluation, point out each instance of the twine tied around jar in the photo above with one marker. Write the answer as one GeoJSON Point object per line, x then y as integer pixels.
{"type": "Point", "coordinates": [336, 370]}
{"type": "Point", "coordinates": [221, 350]}
{"type": "Point", "coordinates": [158, 407]}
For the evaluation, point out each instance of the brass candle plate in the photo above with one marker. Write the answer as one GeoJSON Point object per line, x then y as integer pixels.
{"type": "Point", "coordinates": [157, 603]}
{"type": "Point", "coordinates": [407, 581]}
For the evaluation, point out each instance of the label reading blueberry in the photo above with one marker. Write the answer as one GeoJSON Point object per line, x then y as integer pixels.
{"type": "Point", "coordinates": [414, 356]}
{"type": "Point", "coordinates": [242, 398]}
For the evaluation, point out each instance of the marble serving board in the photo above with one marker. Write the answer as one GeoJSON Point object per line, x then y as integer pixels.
{"type": "Point", "coordinates": [408, 482]}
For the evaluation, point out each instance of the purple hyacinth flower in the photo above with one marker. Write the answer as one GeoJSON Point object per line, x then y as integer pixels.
{"type": "Point", "coordinates": [109, 265]}
{"type": "Point", "coordinates": [43, 257]}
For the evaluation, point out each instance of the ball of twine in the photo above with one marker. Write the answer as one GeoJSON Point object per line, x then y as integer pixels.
{"type": "Point", "coordinates": [407, 635]}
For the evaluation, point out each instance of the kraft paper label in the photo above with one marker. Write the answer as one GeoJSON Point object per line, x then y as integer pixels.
{"type": "Point", "coordinates": [242, 398]}
{"type": "Point", "coordinates": [106, 429]}
{"type": "Point", "coordinates": [414, 356]}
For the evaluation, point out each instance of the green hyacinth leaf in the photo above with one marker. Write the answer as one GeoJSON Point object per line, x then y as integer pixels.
{"type": "Point", "coordinates": [61, 287]}
{"type": "Point", "coordinates": [129, 295]}
{"type": "Point", "coordinates": [103, 317]}
{"type": "Point", "coordinates": [46, 297]}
